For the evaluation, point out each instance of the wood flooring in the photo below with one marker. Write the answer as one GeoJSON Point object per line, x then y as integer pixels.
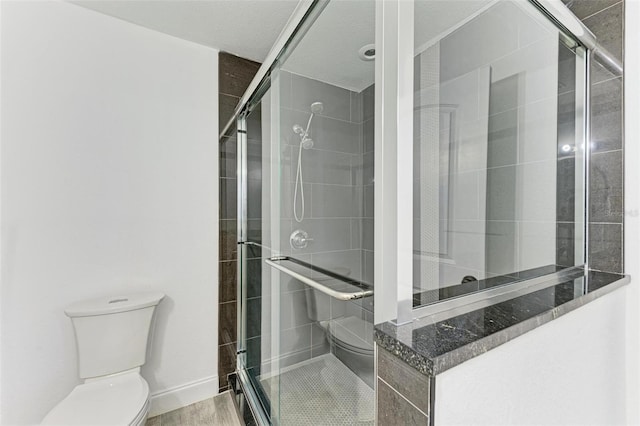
{"type": "Point", "coordinates": [219, 410]}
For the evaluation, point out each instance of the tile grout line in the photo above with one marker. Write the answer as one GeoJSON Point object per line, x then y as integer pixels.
{"type": "Point", "coordinates": [601, 10]}
{"type": "Point", "coordinates": [402, 396]}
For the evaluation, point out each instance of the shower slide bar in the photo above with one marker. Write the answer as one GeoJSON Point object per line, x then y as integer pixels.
{"type": "Point", "coordinates": [327, 282]}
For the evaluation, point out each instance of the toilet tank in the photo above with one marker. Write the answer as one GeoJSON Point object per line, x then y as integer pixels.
{"type": "Point", "coordinates": [112, 332]}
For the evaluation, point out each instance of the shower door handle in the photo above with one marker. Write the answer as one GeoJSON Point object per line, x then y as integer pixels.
{"type": "Point", "coordinates": [277, 263]}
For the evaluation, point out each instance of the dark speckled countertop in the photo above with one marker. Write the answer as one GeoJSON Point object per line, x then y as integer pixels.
{"type": "Point", "coordinates": [432, 345]}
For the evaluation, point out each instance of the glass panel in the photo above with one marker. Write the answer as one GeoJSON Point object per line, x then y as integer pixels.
{"type": "Point", "coordinates": [498, 151]}
{"type": "Point", "coordinates": [255, 276]}
{"type": "Point", "coordinates": [309, 198]}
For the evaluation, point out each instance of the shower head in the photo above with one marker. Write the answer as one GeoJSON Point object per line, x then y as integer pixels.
{"type": "Point", "coordinates": [317, 108]}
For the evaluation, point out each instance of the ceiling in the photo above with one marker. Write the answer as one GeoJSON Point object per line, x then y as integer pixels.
{"type": "Point", "coordinates": [329, 50]}
{"type": "Point", "coordinates": [246, 28]}
{"type": "Point", "coordinates": [249, 28]}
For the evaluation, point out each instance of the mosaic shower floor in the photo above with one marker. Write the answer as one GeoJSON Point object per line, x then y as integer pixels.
{"type": "Point", "coordinates": [321, 391]}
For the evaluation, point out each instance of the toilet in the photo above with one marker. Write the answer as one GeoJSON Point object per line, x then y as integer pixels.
{"type": "Point", "coordinates": [350, 336]}
{"type": "Point", "coordinates": [111, 339]}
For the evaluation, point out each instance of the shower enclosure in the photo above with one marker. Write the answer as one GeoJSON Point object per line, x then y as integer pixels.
{"type": "Point", "coordinates": [436, 146]}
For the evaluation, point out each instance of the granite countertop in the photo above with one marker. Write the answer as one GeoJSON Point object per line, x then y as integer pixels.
{"type": "Point", "coordinates": [435, 345]}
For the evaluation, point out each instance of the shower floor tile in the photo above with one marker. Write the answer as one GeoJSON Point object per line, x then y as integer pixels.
{"type": "Point", "coordinates": [321, 391]}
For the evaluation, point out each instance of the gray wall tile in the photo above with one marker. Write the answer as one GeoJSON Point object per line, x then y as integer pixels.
{"type": "Point", "coordinates": [346, 263]}
{"type": "Point", "coordinates": [254, 316]}
{"type": "Point", "coordinates": [327, 133]}
{"type": "Point", "coordinates": [254, 198]}
{"type": "Point", "coordinates": [394, 410]}
{"type": "Point", "coordinates": [566, 189]}
{"type": "Point", "coordinates": [467, 55]}
{"type": "Point", "coordinates": [329, 167]}
{"type": "Point", "coordinates": [501, 193]}
{"type": "Point", "coordinates": [356, 107]}
{"type": "Point", "coordinates": [226, 106]}
{"type": "Point", "coordinates": [368, 136]}
{"type": "Point", "coordinates": [336, 100]}
{"type": "Point", "coordinates": [228, 158]}
{"type": "Point", "coordinates": [226, 362]}
{"type": "Point", "coordinates": [605, 250]}
{"type": "Point", "coordinates": [606, 192]}
{"type": "Point", "coordinates": [227, 323]}
{"type": "Point", "coordinates": [235, 73]}
{"type": "Point", "coordinates": [296, 339]}
{"type": "Point", "coordinates": [228, 276]}
{"type": "Point", "coordinates": [369, 200]}
{"type": "Point", "coordinates": [368, 103]}
{"type": "Point", "coordinates": [356, 233]}
{"type": "Point", "coordinates": [330, 234]}
{"type": "Point", "coordinates": [585, 8]}
{"type": "Point", "coordinates": [501, 247]}
{"type": "Point", "coordinates": [607, 26]}
{"type": "Point", "coordinates": [606, 115]}
{"type": "Point", "coordinates": [502, 147]}
{"type": "Point", "coordinates": [368, 274]}
{"type": "Point", "coordinates": [367, 234]}
{"type": "Point", "coordinates": [336, 201]}
{"type": "Point", "coordinates": [228, 239]}
{"type": "Point", "coordinates": [565, 244]}
{"type": "Point", "coordinates": [503, 95]}
{"type": "Point", "coordinates": [406, 380]}
{"type": "Point", "coordinates": [228, 200]}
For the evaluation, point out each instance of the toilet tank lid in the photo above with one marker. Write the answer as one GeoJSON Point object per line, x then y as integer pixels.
{"type": "Point", "coordinates": [113, 304]}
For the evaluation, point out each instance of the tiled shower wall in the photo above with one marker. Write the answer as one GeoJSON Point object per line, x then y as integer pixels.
{"type": "Point", "coordinates": [605, 18]}
{"type": "Point", "coordinates": [235, 74]}
{"type": "Point", "coordinates": [336, 173]}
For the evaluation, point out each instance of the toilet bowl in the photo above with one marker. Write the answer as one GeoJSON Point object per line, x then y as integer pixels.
{"type": "Point", "coordinates": [121, 399]}
{"type": "Point", "coordinates": [352, 342]}
{"type": "Point", "coordinates": [350, 336]}
{"type": "Point", "coordinates": [112, 338]}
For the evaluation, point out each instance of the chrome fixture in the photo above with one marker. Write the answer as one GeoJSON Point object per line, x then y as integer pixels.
{"type": "Point", "coordinates": [305, 142]}
{"type": "Point", "coordinates": [303, 271]}
{"type": "Point", "coordinates": [299, 239]}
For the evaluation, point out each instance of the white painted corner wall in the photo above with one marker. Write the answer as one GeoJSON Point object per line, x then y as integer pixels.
{"type": "Point", "coordinates": [109, 168]}
{"type": "Point", "coordinates": [570, 371]}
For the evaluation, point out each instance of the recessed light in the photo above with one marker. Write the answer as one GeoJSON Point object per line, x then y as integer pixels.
{"type": "Point", "coordinates": [368, 52]}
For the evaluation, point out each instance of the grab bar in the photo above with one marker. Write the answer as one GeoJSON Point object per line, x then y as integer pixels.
{"type": "Point", "coordinates": [364, 290]}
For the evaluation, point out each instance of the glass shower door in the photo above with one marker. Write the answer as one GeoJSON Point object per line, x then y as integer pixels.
{"type": "Point", "coordinates": [306, 226]}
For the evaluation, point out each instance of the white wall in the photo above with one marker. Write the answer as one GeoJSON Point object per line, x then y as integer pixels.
{"type": "Point", "coordinates": [570, 371]}
{"type": "Point", "coordinates": [632, 205]}
{"type": "Point", "coordinates": [109, 185]}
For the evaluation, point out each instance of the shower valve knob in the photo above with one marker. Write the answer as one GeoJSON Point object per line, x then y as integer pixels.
{"type": "Point", "coordinates": [299, 239]}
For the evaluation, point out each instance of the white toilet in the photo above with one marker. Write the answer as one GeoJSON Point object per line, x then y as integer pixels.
{"type": "Point", "coordinates": [350, 336]}
{"type": "Point", "coordinates": [111, 338]}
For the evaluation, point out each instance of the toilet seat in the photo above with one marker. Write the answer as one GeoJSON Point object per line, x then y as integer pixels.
{"type": "Point", "coordinates": [121, 399]}
{"type": "Point", "coordinates": [347, 332]}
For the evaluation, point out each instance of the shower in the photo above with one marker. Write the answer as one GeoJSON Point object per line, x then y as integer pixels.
{"type": "Point", "coordinates": [305, 142]}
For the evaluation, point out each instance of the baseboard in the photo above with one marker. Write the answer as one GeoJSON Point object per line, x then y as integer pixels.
{"type": "Point", "coordinates": [183, 395]}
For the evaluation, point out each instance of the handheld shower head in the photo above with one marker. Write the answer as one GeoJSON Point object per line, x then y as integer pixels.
{"type": "Point", "coordinates": [317, 107]}
{"type": "Point", "coordinates": [305, 143]}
